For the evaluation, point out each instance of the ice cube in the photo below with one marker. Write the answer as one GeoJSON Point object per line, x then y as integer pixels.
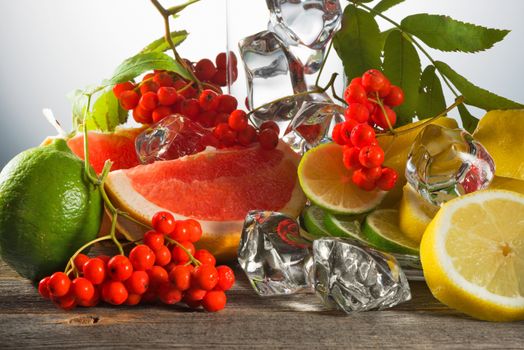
{"type": "Point", "coordinates": [173, 137]}
{"type": "Point", "coordinates": [310, 23]}
{"type": "Point", "coordinates": [351, 277]}
{"type": "Point", "coordinates": [445, 163]}
{"type": "Point", "coordinates": [272, 72]}
{"type": "Point", "coordinates": [272, 254]}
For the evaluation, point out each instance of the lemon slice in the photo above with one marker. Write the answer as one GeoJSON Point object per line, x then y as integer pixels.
{"type": "Point", "coordinates": [327, 183]}
{"type": "Point", "coordinates": [415, 213]}
{"type": "Point", "coordinates": [472, 254]}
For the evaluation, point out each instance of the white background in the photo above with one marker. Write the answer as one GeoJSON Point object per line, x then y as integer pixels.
{"type": "Point", "coordinates": [50, 47]}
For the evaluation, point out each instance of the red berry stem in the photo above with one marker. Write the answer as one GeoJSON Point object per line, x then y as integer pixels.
{"type": "Point", "coordinates": [191, 257]}
{"type": "Point", "coordinates": [70, 264]}
{"type": "Point", "coordinates": [381, 105]}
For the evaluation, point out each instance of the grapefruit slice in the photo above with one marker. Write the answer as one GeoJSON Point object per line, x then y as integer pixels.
{"type": "Point", "coordinates": [217, 188]}
{"type": "Point", "coordinates": [119, 147]}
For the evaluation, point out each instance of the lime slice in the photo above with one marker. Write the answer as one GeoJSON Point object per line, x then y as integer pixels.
{"type": "Point", "coordinates": [382, 230]}
{"type": "Point", "coordinates": [345, 226]}
{"type": "Point", "coordinates": [313, 220]}
{"type": "Point", "coordinates": [327, 183]}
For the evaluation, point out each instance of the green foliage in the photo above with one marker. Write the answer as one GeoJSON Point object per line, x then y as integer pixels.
{"type": "Point", "coordinates": [161, 45]}
{"type": "Point", "coordinates": [446, 34]}
{"type": "Point", "coordinates": [402, 67]}
{"type": "Point", "coordinates": [469, 122]}
{"type": "Point", "coordinates": [474, 95]}
{"type": "Point", "coordinates": [385, 5]}
{"type": "Point", "coordinates": [358, 42]}
{"type": "Point", "coordinates": [431, 101]}
{"type": "Point", "coordinates": [105, 114]}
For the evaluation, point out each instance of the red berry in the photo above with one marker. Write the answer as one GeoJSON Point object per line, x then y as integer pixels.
{"type": "Point", "coordinates": [268, 139]}
{"type": "Point", "coordinates": [371, 156]}
{"type": "Point", "coordinates": [373, 80]}
{"type": "Point", "coordinates": [221, 60]}
{"type": "Point", "coordinates": [356, 81]}
{"type": "Point", "coordinates": [180, 276]}
{"type": "Point", "coordinates": [385, 90]}
{"type": "Point", "coordinates": [95, 299]}
{"type": "Point", "coordinates": [362, 135]}
{"type": "Point", "coordinates": [372, 174]}
{"type": "Point", "coordinates": [360, 179]}
{"type": "Point", "coordinates": [167, 96]}
{"type": "Point", "coordinates": [169, 295]}
{"type": "Point", "coordinates": [345, 131]}
{"type": "Point", "coordinates": [220, 77]}
{"type": "Point", "coordinates": [214, 301]}
{"type": "Point", "coordinates": [66, 302]}
{"type": "Point", "coordinates": [163, 222]}
{"type": "Point", "coordinates": [208, 100]}
{"type": "Point", "coordinates": [149, 101]}
{"type": "Point", "coordinates": [58, 284]}
{"type": "Point", "coordinates": [142, 257]}
{"type": "Point", "coordinates": [142, 116]}
{"type": "Point", "coordinates": [104, 258]}
{"type": "Point", "coordinates": [238, 120]}
{"type": "Point", "coordinates": [380, 120]}
{"type": "Point", "coordinates": [226, 278]}
{"type": "Point", "coordinates": [355, 93]}
{"type": "Point", "coordinates": [154, 240]}
{"type": "Point", "coordinates": [247, 136]}
{"type": "Point", "coordinates": [269, 124]}
{"type": "Point", "coordinates": [192, 304]}
{"type": "Point", "coordinates": [157, 276]}
{"type": "Point", "coordinates": [194, 230]}
{"type": "Point", "coordinates": [95, 270]}
{"type": "Point", "coordinates": [205, 257]}
{"type": "Point", "coordinates": [133, 299]}
{"type": "Point", "coordinates": [138, 283]}
{"type": "Point", "coordinates": [205, 277]}
{"type": "Point", "coordinates": [83, 289]}
{"type": "Point", "coordinates": [357, 112]}
{"type": "Point", "coordinates": [194, 294]}
{"type": "Point", "coordinates": [160, 113]}
{"type": "Point", "coordinates": [129, 99]}
{"type": "Point", "coordinates": [43, 287]}
{"type": "Point", "coordinates": [121, 87]}
{"type": "Point", "coordinates": [207, 119]}
{"type": "Point", "coordinates": [163, 256]}
{"type": "Point", "coordinates": [179, 255]}
{"type": "Point", "coordinates": [336, 135]}
{"type": "Point", "coordinates": [163, 79]}
{"type": "Point", "coordinates": [395, 97]}
{"type": "Point", "coordinates": [205, 69]}
{"type": "Point", "coordinates": [225, 134]}
{"type": "Point", "coordinates": [114, 292]}
{"type": "Point", "coordinates": [371, 107]}
{"type": "Point", "coordinates": [181, 232]}
{"type": "Point", "coordinates": [79, 262]}
{"type": "Point", "coordinates": [190, 108]}
{"type": "Point", "coordinates": [221, 118]}
{"type": "Point", "coordinates": [119, 268]}
{"type": "Point", "coordinates": [388, 179]}
{"type": "Point", "coordinates": [226, 104]}
{"type": "Point", "coordinates": [148, 86]}
{"type": "Point", "coordinates": [350, 158]}
{"type": "Point", "coordinates": [149, 297]}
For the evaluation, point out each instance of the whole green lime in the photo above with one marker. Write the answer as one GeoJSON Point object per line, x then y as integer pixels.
{"type": "Point", "coordinates": [48, 209]}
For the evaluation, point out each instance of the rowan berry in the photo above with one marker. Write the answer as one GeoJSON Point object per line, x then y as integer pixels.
{"type": "Point", "coordinates": [268, 139]}
{"type": "Point", "coordinates": [373, 80]}
{"type": "Point", "coordinates": [129, 99]}
{"type": "Point", "coordinates": [138, 283]}
{"type": "Point", "coordinates": [269, 124]}
{"type": "Point", "coordinates": [169, 295]}
{"type": "Point", "coordinates": [205, 69]}
{"type": "Point", "coordinates": [95, 270]}
{"type": "Point", "coordinates": [350, 158]}
{"type": "Point", "coordinates": [360, 179]}
{"type": "Point", "coordinates": [59, 284]}
{"type": "Point", "coordinates": [362, 135]}
{"type": "Point", "coordinates": [355, 93]}
{"type": "Point", "coordinates": [43, 287]}
{"type": "Point", "coordinates": [380, 119]}
{"type": "Point", "coordinates": [160, 113]}
{"type": "Point", "coordinates": [142, 257]}
{"type": "Point", "coordinates": [205, 257]}
{"type": "Point", "coordinates": [162, 256]}
{"type": "Point", "coordinates": [114, 292]}
{"type": "Point", "coordinates": [214, 301]}
{"type": "Point", "coordinates": [226, 104]}
{"type": "Point", "coordinates": [357, 112]}
{"type": "Point", "coordinates": [119, 268]}
{"type": "Point", "coordinates": [247, 136]}
{"type": "Point", "coordinates": [395, 97]}
{"type": "Point", "coordinates": [238, 120]}
{"type": "Point", "coordinates": [179, 255]}
{"type": "Point", "coordinates": [163, 79]}
{"type": "Point", "coordinates": [388, 179]}
{"type": "Point", "coordinates": [208, 100]}
{"type": "Point", "coordinates": [79, 262]}
{"type": "Point", "coordinates": [167, 96]}
{"type": "Point", "coordinates": [226, 278]}
{"type": "Point", "coordinates": [180, 276]}
{"type": "Point", "coordinates": [154, 240]}
{"type": "Point", "coordinates": [163, 222]}
{"type": "Point", "coordinates": [121, 87]}
{"type": "Point", "coordinates": [371, 156]}
{"type": "Point", "coordinates": [82, 289]}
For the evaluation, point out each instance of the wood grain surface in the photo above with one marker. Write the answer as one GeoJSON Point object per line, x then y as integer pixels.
{"type": "Point", "coordinates": [249, 321]}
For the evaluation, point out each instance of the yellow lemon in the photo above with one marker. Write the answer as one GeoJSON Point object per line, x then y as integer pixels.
{"type": "Point", "coordinates": [415, 213]}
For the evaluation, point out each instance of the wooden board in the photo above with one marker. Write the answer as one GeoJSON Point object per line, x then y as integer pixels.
{"type": "Point", "coordinates": [299, 321]}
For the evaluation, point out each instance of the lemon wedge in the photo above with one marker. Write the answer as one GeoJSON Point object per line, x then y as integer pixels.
{"type": "Point", "coordinates": [415, 213]}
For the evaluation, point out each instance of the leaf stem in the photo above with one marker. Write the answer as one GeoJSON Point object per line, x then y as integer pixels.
{"type": "Point", "coordinates": [323, 63]}
{"type": "Point", "coordinates": [71, 265]}
{"type": "Point", "coordinates": [191, 257]}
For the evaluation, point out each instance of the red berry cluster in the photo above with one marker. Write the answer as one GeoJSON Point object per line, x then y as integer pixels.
{"type": "Point", "coordinates": [165, 267]}
{"type": "Point", "coordinates": [206, 71]}
{"type": "Point", "coordinates": [369, 100]}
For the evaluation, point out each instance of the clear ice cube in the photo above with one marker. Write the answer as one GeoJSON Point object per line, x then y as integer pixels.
{"type": "Point", "coordinates": [446, 163]}
{"type": "Point", "coordinates": [272, 253]}
{"type": "Point", "coordinates": [271, 73]}
{"type": "Point", "coordinates": [173, 137]}
{"type": "Point", "coordinates": [356, 278]}
{"type": "Point", "coordinates": [310, 23]}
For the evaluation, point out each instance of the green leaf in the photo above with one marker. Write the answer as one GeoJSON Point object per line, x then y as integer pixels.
{"type": "Point", "coordinates": [385, 5]}
{"type": "Point", "coordinates": [402, 67]}
{"type": "Point", "coordinates": [474, 95]}
{"type": "Point", "coordinates": [358, 42]}
{"type": "Point", "coordinates": [431, 101]}
{"type": "Point", "coordinates": [446, 34]}
{"type": "Point", "coordinates": [161, 45]}
{"type": "Point", "coordinates": [106, 113]}
{"type": "Point", "coordinates": [143, 62]}
{"type": "Point", "coordinates": [176, 9]}
{"type": "Point", "coordinates": [469, 122]}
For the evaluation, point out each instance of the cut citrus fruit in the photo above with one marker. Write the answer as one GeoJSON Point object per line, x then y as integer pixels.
{"type": "Point", "coordinates": [472, 254]}
{"type": "Point", "coordinates": [119, 147]}
{"type": "Point", "coordinates": [415, 213]}
{"type": "Point", "coordinates": [344, 226]}
{"type": "Point", "coordinates": [313, 219]}
{"type": "Point", "coordinates": [327, 183]}
{"type": "Point", "coordinates": [381, 229]}
{"type": "Point", "coordinates": [501, 133]}
{"type": "Point", "coordinates": [217, 188]}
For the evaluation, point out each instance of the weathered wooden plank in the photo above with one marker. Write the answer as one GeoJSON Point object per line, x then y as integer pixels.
{"type": "Point", "coordinates": [298, 321]}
